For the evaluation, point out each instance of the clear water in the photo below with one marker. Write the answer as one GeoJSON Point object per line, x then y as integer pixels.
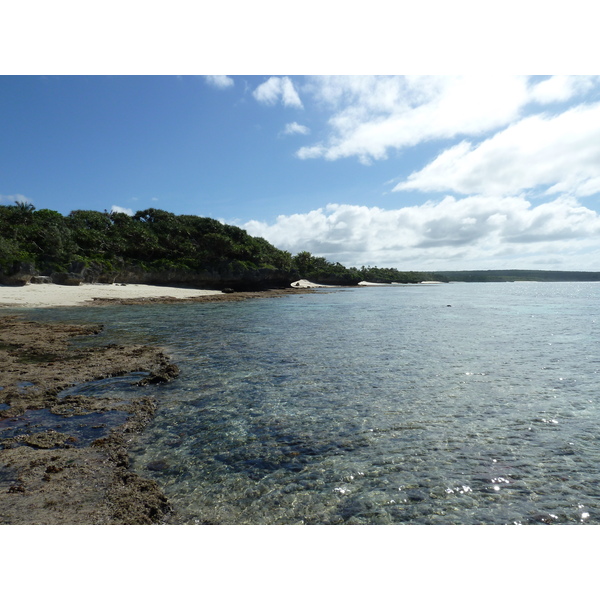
{"type": "Point", "coordinates": [377, 405]}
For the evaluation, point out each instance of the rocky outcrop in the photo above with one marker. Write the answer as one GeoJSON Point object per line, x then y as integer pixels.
{"type": "Point", "coordinates": [67, 278]}
{"type": "Point", "coordinates": [81, 474]}
{"type": "Point", "coordinates": [20, 274]}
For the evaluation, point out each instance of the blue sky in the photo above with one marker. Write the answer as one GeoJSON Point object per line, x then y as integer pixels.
{"type": "Point", "coordinates": [486, 170]}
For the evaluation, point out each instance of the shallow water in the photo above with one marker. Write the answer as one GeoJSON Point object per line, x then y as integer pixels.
{"type": "Point", "coordinates": [447, 404]}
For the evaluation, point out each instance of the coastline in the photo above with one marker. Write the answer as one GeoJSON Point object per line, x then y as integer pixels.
{"type": "Point", "coordinates": [64, 457]}
{"type": "Point", "coordinates": [51, 295]}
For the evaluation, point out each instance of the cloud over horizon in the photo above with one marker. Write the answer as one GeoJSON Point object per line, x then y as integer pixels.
{"type": "Point", "coordinates": [481, 231]}
{"type": "Point", "coordinates": [514, 156]}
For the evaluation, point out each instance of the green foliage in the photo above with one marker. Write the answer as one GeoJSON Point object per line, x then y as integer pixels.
{"type": "Point", "coordinates": [152, 239]}
{"type": "Point", "coordinates": [319, 270]}
{"type": "Point", "coordinates": [387, 275]}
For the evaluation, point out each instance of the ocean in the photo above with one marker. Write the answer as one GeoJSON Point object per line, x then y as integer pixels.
{"type": "Point", "coordinates": [461, 403]}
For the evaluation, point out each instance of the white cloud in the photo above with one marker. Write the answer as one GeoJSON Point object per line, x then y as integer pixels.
{"type": "Point", "coordinates": [119, 209]}
{"type": "Point", "coordinates": [372, 114]}
{"type": "Point", "coordinates": [475, 232]}
{"type": "Point", "coordinates": [292, 128]}
{"type": "Point", "coordinates": [560, 88]}
{"type": "Point", "coordinates": [559, 152]}
{"type": "Point", "coordinates": [219, 81]}
{"type": "Point", "coordinates": [276, 88]}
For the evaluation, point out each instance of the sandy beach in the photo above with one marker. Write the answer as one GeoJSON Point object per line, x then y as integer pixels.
{"type": "Point", "coordinates": [50, 295]}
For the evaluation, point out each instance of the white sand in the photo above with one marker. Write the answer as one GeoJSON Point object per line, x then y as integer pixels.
{"type": "Point", "coordinates": [48, 295]}
{"type": "Point", "coordinates": [305, 284]}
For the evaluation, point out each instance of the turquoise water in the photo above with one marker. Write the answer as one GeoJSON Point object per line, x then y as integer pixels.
{"type": "Point", "coordinates": [433, 404]}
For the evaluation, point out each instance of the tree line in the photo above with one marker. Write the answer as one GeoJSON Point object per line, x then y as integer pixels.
{"type": "Point", "coordinates": [157, 240]}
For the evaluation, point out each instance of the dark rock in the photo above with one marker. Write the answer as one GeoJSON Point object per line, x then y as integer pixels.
{"type": "Point", "coordinates": [157, 465]}
{"type": "Point", "coordinates": [162, 375]}
{"type": "Point", "coordinates": [20, 274]}
{"type": "Point", "coordinates": [46, 439]}
{"type": "Point", "coordinates": [415, 496]}
{"type": "Point", "coordinates": [67, 278]}
{"type": "Point", "coordinates": [53, 469]}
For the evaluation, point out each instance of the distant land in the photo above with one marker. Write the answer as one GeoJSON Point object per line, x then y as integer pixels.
{"type": "Point", "coordinates": [520, 275]}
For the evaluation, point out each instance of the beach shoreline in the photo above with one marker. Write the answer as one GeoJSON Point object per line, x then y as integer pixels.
{"type": "Point", "coordinates": [51, 295]}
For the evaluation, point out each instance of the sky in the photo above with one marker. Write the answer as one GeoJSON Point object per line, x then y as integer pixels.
{"type": "Point", "coordinates": [413, 172]}
{"type": "Point", "coordinates": [485, 170]}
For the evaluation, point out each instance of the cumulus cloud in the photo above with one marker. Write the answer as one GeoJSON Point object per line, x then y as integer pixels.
{"type": "Point", "coordinates": [120, 209]}
{"type": "Point", "coordinates": [292, 128]}
{"type": "Point", "coordinates": [501, 141]}
{"type": "Point", "coordinates": [480, 231]}
{"type": "Point", "coordinates": [219, 81]}
{"type": "Point", "coordinates": [372, 115]}
{"type": "Point", "coordinates": [560, 152]}
{"type": "Point", "coordinates": [275, 89]}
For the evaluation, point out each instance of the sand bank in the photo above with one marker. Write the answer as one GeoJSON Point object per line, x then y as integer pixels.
{"type": "Point", "coordinates": [50, 295]}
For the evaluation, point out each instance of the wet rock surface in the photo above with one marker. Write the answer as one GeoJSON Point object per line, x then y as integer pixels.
{"type": "Point", "coordinates": [48, 476]}
{"type": "Point", "coordinates": [229, 295]}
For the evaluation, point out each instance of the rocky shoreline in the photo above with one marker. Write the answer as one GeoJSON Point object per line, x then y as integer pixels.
{"type": "Point", "coordinates": [227, 297]}
{"type": "Point", "coordinates": [50, 475]}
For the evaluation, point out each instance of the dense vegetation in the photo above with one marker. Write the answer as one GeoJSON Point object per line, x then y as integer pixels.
{"type": "Point", "coordinates": [156, 241]}
{"type": "Point", "coordinates": [151, 238]}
